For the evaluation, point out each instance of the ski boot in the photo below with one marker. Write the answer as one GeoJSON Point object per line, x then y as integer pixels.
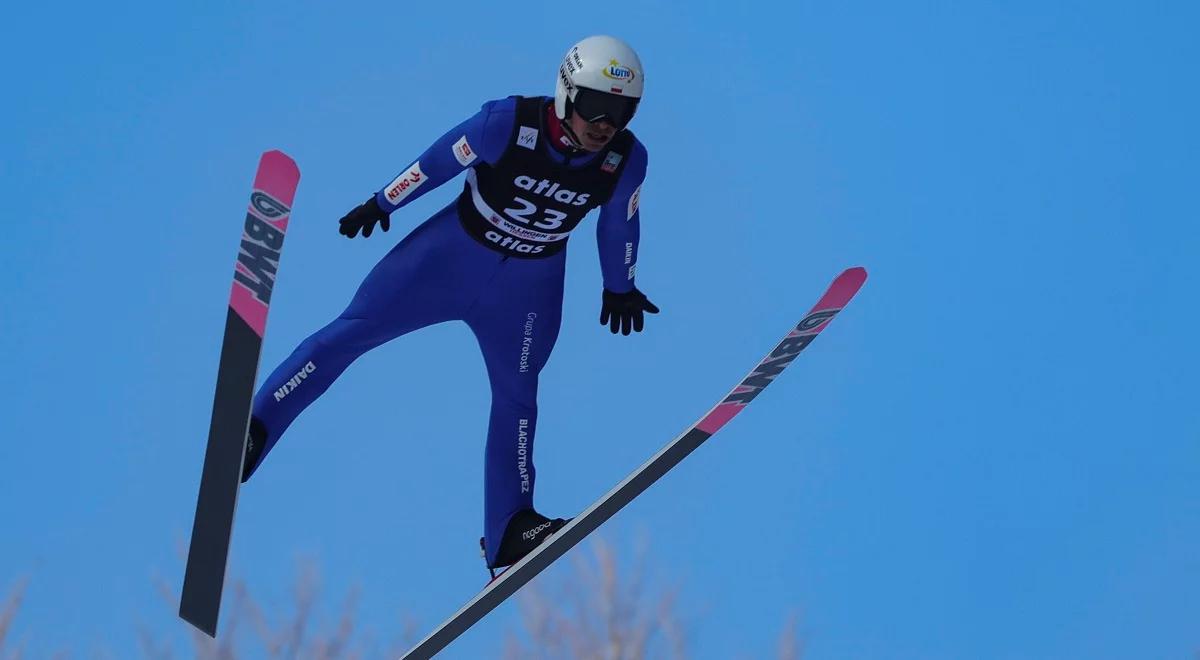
{"type": "Point", "coordinates": [525, 531]}
{"type": "Point", "coordinates": [256, 441]}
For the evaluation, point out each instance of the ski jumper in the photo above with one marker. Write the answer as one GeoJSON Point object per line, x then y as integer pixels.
{"type": "Point", "coordinates": [494, 259]}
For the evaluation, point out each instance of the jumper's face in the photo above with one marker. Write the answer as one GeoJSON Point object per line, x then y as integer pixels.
{"type": "Point", "coordinates": [593, 136]}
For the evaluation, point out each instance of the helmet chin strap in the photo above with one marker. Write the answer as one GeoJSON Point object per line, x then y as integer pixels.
{"type": "Point", "coordinates": [569, 132]}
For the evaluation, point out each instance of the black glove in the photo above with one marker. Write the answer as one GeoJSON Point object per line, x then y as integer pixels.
{"type": "Point", "coordinates": [624, 310]}
{"type": "Point", "coordinates": [364, 216]}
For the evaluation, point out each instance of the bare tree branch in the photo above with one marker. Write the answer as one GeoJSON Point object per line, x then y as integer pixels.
{"type": "Point", "coordinates": [607, 608]}
{"type": "Point", "coordinates": [9, 613]}
{"type": "Point", "coordinates": [790, 647]}
{"type": "Point", "coordinates": [602, 612]}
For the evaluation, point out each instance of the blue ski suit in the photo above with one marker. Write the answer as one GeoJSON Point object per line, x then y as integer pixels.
{"type": "Point", "coordinates": [495, 259]}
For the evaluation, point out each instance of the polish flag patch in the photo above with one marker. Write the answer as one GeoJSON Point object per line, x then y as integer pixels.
{"type": "Point", "coordinates": [463, 152]}
{"type": "Point", "coordinates": [611, 161]}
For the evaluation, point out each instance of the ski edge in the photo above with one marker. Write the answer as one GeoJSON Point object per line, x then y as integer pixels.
{"type": "Point", "coordinates": [843, 288]}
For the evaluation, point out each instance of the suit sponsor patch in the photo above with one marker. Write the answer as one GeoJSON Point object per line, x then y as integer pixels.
{"type": "Point", "coordinates": [527, 137]}
{"type": "Point", "coordinates": [634, 200]}
{"type": "Point", "coordinates": [403, 185]}
{"type": "Point", "coordinates": [611, 161]}
{"type": "Point", "coordinates": [463, 152]}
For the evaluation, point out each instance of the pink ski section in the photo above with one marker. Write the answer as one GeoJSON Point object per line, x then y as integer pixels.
{"type": "Point", "coordinates": [838, 296]}
{"type": "Point", "coordinates": [278, 177]}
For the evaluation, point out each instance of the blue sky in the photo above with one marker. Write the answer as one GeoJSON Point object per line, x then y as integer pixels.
{"type": "Point", "coordinates": [992, 453]}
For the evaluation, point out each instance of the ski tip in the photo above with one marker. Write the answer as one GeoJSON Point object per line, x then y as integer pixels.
{"type": "Point", "coordinates": [858, 273]}
{"type": "Point", "coordinates": [851, 278]}
{"type": "Point", "coordinates": [277, 158]}
{"type": "Point", "coordinates": [843, 288]}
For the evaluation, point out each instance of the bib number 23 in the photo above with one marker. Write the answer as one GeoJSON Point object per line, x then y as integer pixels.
{"type": "Point", "coordinates": [550, 219]}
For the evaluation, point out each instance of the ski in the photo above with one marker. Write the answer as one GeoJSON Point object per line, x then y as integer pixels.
{"type": "Point", "coordinates": [253, 280]}
{"type": "Point", "coordinates": [843, 288]}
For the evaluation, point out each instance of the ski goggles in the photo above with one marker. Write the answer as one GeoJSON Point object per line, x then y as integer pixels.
{"type": "Point", "coordinates": [595, 106]}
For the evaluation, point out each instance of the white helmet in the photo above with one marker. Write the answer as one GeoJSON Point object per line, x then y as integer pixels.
{"type": "Point", "coordinates": [600, 78]}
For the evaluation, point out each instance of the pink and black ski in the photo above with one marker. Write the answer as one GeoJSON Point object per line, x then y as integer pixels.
{"type": "Point", "coordinates": [838, 296]}
{"type": "Point", "coordinates": [253, 280]}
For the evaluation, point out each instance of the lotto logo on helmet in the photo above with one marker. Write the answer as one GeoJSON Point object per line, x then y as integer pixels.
{"type": "Point", "coordinates": [615, 71]}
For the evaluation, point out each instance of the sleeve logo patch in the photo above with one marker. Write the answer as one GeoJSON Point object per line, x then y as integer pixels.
{"type": "Point", "coordinates": [634, 200]}
{"type": "Point", "coordinates": [463, 152]}
{"type": "Point", "coordinates": [403, 185]}
{"type": "Point", "coordinates": [527, 137]}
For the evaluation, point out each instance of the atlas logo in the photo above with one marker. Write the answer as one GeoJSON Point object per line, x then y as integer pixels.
{"type": "Point", "coordinates": [513, 244]}
{"type": "Point", "coordinates": [552, 189]}
{"type": "Point", "coordinates": [523, 453]}
{"type": "Point", "coordinates": [531, 534]}
{"type": "Point", "coordinates": [292, 384]}
{"type": "Point", "coordinates": [258, 258]}
{"type": "Point", "coordinates": [781, 357]}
